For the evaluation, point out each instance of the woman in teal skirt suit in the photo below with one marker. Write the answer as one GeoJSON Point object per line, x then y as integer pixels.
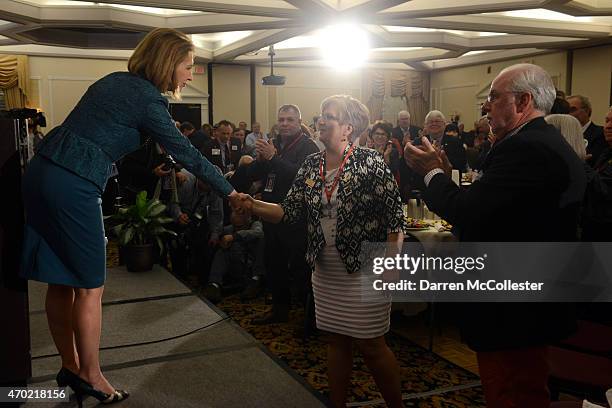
{"type": "Point", "coordinates": [64, 235]}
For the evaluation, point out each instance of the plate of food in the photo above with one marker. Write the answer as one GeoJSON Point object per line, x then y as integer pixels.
{"type": "Point", "coordinates": [415, 224]}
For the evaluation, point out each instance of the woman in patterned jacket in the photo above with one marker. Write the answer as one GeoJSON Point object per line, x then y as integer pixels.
{"type": "Point", "coordinates": [348, 196]}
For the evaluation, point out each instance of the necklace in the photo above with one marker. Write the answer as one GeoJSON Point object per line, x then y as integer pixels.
{"type": "Point", "coordinates": [330, 191]}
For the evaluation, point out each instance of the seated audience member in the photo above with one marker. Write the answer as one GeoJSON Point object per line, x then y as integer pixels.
{"type": "Point", "coordinates": [387, 146]}
{"type": "Point", "coordinates": [580, 108]}
{"type": "Point", "coordinates": [240, 258]}
{"type": "Point", "coordinates": [597, 209]}
{"type": "Point", "coordinates": [198, 220]}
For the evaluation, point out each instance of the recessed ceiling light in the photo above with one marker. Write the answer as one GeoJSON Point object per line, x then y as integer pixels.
{"type": "Point", "coordinates": [344, 46]}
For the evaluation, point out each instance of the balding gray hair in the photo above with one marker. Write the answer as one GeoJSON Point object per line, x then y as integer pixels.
{"type": "Point", "coordinates": [433, 115]}
{"type": "Point", "coordinates": [534, 80]}
{"type": "Point", "coordinates": [403, 113]}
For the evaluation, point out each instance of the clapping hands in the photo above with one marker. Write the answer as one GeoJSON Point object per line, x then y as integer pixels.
{"type": "Point", "coordinates": [424, 158]}
{"type": "Point", "coordinates": [265, 150]}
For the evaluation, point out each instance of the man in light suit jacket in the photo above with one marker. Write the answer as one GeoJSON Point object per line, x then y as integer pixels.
{"type": "Point", "coordinates": [580, 108]}
{"type": "Point", "coordinates": [530, 176]}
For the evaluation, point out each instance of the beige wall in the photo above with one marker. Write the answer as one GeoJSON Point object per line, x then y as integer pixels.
{"type": "Point", "coordinates": [231, 93]}
{"type": "Point", "coordinates": [462, 90]}
{"type": "Point", "coordinates": [57, 84]}
{"type": "Point", "coordinates": [592, 68]}
{"type": "Point", "coordinates": [305, 87]}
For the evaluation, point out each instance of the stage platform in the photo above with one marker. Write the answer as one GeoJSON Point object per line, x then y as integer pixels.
{"type": "Point", "coordinates": [171, 348]}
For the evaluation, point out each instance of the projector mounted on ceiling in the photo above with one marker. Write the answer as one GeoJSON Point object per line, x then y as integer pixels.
{"type": "Point", "coordinates": [273, 80]}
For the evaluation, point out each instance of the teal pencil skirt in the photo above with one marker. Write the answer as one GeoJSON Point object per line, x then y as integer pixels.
{"type": "Point", "coordinates": [64, 239]}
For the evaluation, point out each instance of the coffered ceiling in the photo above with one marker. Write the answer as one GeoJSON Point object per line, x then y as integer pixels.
{"type": "Point", "coordinates": [422, 34]}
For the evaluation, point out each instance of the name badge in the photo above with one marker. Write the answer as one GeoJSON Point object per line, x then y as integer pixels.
{"type": "Point", "coordinates": [216, 152]}
{"type": "Point", "coordinates": [234, 147]}
{"type": "Point", "coordinates": [270, 183]}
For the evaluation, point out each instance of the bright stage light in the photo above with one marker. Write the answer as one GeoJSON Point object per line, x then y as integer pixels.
{"type": "Point", "coordinates": [344, 46]}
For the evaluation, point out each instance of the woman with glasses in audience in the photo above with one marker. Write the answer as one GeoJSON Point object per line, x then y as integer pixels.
{"type": "Point", "coordinates": [64, 242]}
{"type": "Point", "coordinates": [387, 146]}
{"type": "Point", "coordinates": [348, 196]}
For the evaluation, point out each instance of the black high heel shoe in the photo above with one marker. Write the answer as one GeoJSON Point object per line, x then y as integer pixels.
{"type": "Point", "coordinates": [64, 377]}
{"type": "Point", "coordinates": [82, 389]}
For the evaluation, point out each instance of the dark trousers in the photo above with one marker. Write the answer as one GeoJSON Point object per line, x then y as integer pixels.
{"type": "Point", "coordinates": [285, 258]}
{"type": "Point", "coordinates": [515, 378]}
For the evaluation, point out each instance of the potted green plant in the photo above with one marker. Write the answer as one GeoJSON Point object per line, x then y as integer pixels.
{"type": "Point", "coordinates": [138, 227]}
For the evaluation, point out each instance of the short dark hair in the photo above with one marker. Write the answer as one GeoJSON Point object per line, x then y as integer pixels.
{"type": "Point", "coordinates": [384, 126]}
{"type": "Point", "coordinates": [186, 126]}
{"type": "Point", "coordinates": [225, 123]}
{"type": "Point", "coordinates": [560, 106]}
{"type": "Point", "coordinates": [290, 107]}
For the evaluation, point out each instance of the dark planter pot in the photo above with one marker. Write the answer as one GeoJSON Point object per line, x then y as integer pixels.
{"type": "Point", "coordinates": [139, 258]}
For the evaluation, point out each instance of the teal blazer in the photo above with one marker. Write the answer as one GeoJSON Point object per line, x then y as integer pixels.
{"type": "Point", "coordinates": [107, 124]}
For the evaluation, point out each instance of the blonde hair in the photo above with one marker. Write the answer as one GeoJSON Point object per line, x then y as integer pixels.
{"type": "Point", "coordinates": [157, 56]}
{"type": "Point", "coordinates": [351, 111]}
{"type": "Point", "coordinates": [571, 130]}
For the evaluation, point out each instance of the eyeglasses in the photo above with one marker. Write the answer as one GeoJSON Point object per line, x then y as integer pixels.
{"type": "Point", "coordinates": [327, 117]}
{"type": "Point", "coordinates": [383, 134]}
{"type": "Point", "coordinates": [493, 96]}
{"type": "Point", "coordinates": [437, 122]}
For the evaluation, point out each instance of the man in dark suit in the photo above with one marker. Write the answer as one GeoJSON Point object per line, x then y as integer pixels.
{"type": "Point", "coordinates": [277, 162]}
{"type": "Point", "coordinates": [530, 175]}
{"type": "Point", "coordinates": [197, 137]}
{"type": "Point", "coordinates": [223, 150]}
{"type": "Point", "coordinates": [580, 108]}
{"type": "Point", "coordinates": [404, 129]}
{"type": "Point", "coordinates": [435, 125]}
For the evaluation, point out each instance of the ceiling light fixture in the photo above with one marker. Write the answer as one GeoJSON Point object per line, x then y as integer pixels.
{"type": "Point", "coordinates": [344, 46]}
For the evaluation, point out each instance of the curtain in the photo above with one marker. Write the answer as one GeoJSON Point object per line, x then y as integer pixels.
{"type": "Point", "coordinates": [418, 98]}
{"type": "Point", "coordinates": [376, 88]}
{"type": "Point", "coordinates": [389, 91]}
{"type": "Point", "coordinates": [14, 80]}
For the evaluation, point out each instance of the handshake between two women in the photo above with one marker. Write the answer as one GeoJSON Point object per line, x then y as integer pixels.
{"type": "Point", "coordinates": [244, 203]}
